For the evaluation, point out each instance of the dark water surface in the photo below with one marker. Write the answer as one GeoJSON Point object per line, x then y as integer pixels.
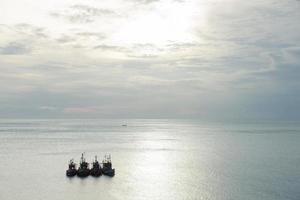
{"type": "Point", "coordinates": [154, 159]}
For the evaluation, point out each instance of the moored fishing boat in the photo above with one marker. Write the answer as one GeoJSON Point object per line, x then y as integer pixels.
{"type": "Point", "coordinates": [96, 169]}
{"type": "Point", "coordinates": [83, 170]}
{"type": "Point", "coordinates": [72, 169]}
{"type": "Point", "coordinates": [107, 166]}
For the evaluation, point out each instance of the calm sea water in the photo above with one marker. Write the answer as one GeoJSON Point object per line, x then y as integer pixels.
{"type": "Point", "coordinates": [154, 159]}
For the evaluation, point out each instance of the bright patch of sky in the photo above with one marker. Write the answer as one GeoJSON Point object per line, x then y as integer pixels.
{"type": "Point", "coordinates": [209, 59]}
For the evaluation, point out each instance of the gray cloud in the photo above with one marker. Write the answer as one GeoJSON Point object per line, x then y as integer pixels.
{"type": "Point", "coordinates": [22, 38]}
{"type": "Point", "coordinates": [142, 56]}
{"type": "Point", "coordinates": [25, 29]}
{"type": "Point", "coordinates": [65, 39]}
{"type": "Point", "coordinates": [80, 13]}
{"type": "Point", "coordinates": [105, 47]}
{"type": "Point", "coordinates": [97, 35]}
{"type": "Point", "coordinates": [83, 40]}
{"type": "Point", "coordinates": [145, 1]}
{"type": "Point", "coordinates": [92, 10]}
{"type": "Point", "coordinates": [285, 69]}
{"type": "Point", "coordinates": [15, 48]}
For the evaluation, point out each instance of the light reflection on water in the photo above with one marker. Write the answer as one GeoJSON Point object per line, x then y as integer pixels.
{"type": "Point", "coordinates": [154, 159]}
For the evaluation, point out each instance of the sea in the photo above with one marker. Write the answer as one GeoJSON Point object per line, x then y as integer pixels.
{"type": "Point", "coordinates": [154, 159]}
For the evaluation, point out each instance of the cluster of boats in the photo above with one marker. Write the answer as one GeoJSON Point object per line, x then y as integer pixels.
{"type": "Point", "coordinates": [96, 170]}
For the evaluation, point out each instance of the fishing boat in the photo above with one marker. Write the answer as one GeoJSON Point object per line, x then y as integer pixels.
{"type": "Point", "coordinates": [96, 169]}
{"type": "Point", "coordinates": [72, 169]}
{"type": "Point", "coordinates": [107, 166]}
{"type": "Point", "coordinates": [83, 170]}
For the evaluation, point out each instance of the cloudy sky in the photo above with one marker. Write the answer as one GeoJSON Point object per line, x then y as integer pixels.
{"type": "Point", "coordinates": [208, 59]}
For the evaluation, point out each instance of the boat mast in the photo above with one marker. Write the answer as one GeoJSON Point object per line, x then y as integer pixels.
{"type": "Point", "coordinates": [82, 158]}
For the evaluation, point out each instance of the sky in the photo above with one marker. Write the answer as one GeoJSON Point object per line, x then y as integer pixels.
{"type": "Point", "coordinates": [206, 59]}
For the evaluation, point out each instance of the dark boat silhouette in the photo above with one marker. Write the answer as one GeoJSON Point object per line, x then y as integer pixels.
{"type": "Point", "coordinates": [107, 166]}
{"type": "Point", "coordinates": [72, 169]}
{"type": "Point", "coordinates": [83, 170]}
{"type": "Point", "coordinates": [96, 169]}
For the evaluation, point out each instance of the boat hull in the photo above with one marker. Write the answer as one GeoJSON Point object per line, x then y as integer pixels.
{"type": "Point", "coordinates": [96, 172]}
{"type": "Point", "coordinates": [109, 172]}
{"type": "Point", "coordinates": [71, 172]}
{"type": "Point", "coordinates": [83, 172]}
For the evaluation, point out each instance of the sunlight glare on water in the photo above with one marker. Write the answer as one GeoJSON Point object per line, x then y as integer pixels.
{"type": "Point", "coordinates": [154, 159]}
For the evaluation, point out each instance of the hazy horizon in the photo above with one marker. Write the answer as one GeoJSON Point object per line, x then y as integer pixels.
{"type": "Point", "coordinates": [206, 59]}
